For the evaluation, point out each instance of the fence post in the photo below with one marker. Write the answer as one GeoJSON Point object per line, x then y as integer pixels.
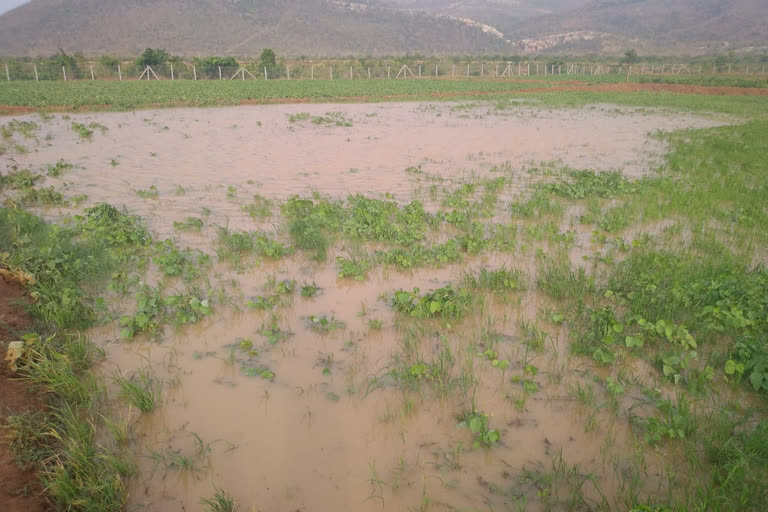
{"type": "Point", "coordinates": [7, 74]}
{"type": "Point", "coordinates": [288, 71]}
{"type": "Point", "coordinates": [497, 69]}
{"type": "Point", "coordinates": [350, 72]}
{"type": "Point", "coordinates": [119, 73]}
{"type": "Point", "coordinates": [419, 70]}
{"type": "Point", "coordinates": [330, 72]}
{"type": "Point", "coordinates": [171, 72]}
{"type": "Point", "coordinates": [64, 70]}
{"type": "Point", "coordinates": [37, 78]}
{"type": "Point", "coordinates": [482, 70]}
{"type": "Point", "coordinates": [435, 70]}
{"type": "Point", "coordinates": [219, 72]}
{"type": "Point", "coordinates": [194, 72]}
{"type": "Point", "coordinates": [453, 70]}
{"type": "Point", "coordinates": [467, 70]}
{"type": "Point", "coordinates": [265, 73]}
{"type": "Point", "coordinates": [92, 77]}
{"type": "Point", "coordinates": [388, 70]}
{"type": "Point", "coordinates": [369, 73]}
{"type": "Point", "coordinates": [313, 72]}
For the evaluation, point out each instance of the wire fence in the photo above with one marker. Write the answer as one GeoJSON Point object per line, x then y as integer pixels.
{"type": "Point", "coordinates": [47, 71]}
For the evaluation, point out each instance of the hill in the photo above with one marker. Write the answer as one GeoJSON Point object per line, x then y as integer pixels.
{"type": "Point", "coordinates": [612, 26]}
{"type": "Point", "coordinates": [384, 27]}
{"type": "Point", "coordinates": [235, 27]}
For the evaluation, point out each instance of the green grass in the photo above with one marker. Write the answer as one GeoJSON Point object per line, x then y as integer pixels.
{"type": "Point", "coordinates": [142, 391]}
{"type": "Point", "coordinates": [222, 501]}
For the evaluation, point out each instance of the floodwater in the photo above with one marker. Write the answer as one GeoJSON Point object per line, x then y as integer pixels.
{"type": "Point", "coordinates": [332, 431]}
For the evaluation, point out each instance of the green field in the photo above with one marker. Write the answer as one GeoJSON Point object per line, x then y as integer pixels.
{"type": "Point", "coordinates": [128, 95]}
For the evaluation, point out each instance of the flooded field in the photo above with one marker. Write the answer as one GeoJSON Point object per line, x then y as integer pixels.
{"type": "Point", "coordinates": [370, 313]}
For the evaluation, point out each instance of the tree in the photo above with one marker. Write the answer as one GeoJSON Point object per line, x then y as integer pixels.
{"type": "Point", "coordinates": [267, 58]}
{"type": "Point", "coordinates": [153, 57]}
{"type": "Point", "coordinates": [108, 61]}
{"type": "Point", "coordinates": [630, 57]}
{"type": "Point", "coordinates": [210, 65]}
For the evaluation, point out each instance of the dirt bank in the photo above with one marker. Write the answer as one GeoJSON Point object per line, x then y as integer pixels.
{"type": "Point", "coordinates": [19, 490]}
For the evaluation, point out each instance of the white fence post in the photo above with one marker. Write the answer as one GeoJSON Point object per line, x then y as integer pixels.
{"type": "Point", "coordinates": [219, 72]}
{"type": "Point", "coordinates": [194, 71]}
{"type": "Point", "coordinates": [265, 73]}
{"type": "Point", "coordinates": [37, 78]}
{"type": "Point", "coordinates": [92, 77]}
{"type": "Point", "coordinates": [7, 75]}
{"type": "Point", "coordinates": [172, 72]}
{"type": "Point", "coordinates": [119, 72]}
{"type": "Point", "coordinates": [64, 70]}
{"type": "Point", "coordinates": [288, 71]}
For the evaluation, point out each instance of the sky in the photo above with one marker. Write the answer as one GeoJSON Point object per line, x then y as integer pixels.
{"type": "Point", "coordinates": [7, 5]}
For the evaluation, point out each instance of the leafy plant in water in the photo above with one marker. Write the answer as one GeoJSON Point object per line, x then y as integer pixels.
{"type": "Point", "coordinates": [324, 325]}
{"type": "Point", "coordinates": [445, 302]}
{"type": "Point", "coordinates": [477, 422]}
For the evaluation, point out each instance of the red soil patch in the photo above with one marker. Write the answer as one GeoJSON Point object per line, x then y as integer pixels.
{"type": "Point", "coordinates": [20, 491]}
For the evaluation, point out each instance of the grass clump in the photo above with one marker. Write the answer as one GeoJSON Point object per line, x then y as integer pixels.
{"type": "Point", "coordinates": [355, 266]}
{"type": "Point", "coordinates": [259, 208]}
{"type": "Point", "coordinates": [500, 280]}
{"type": "Point", "coordinates": [587, 183]}
{"type": "Point", "coordinates": [189, 224]}
{"type": "Point", "coordinates": [221, 501]}
{"type": "Point", "coordinates": [142, 390]}
{"type": "Point", "coordinates": [561, 282]}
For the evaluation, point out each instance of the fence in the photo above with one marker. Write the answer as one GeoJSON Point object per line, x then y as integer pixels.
{"type": "Point", "coordinates": [46, 71]}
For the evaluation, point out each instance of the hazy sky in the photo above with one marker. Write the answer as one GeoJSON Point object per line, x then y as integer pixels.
{"type": "Point", "coordinates": [7, 5]}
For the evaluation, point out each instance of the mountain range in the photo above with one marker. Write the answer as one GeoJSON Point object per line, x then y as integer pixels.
{"type": "Point", "coordinates": [384, 27]}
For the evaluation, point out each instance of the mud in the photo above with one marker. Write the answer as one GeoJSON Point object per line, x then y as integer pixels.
{"type": "Point", "coordinates": [332, 431]}
{"type": "Point", "coordinates": [20, 490]}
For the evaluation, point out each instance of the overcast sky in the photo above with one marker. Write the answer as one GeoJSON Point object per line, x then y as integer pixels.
{"type": "Point", "coordinates": [7, 5]}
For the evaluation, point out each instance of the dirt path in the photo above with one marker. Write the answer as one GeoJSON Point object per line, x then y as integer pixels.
{"type": "Point", "coordinates": [20, 491]}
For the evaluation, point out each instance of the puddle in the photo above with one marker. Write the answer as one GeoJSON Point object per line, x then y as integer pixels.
{"type": "Point", "coordinates": [315, 422]}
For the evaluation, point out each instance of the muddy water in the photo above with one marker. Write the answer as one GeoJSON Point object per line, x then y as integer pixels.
{"type": "Point", "coordinates": [332, 431]}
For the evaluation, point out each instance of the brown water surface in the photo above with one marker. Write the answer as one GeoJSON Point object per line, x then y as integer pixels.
{"type": "Point", "coordinates": [333, 431]}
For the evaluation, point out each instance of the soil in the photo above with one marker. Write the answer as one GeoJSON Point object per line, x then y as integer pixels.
{"type": "Point", "coordinates": [20, 491]}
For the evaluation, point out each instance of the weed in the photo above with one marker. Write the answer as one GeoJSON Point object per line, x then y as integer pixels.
{"type": "Point", "coordinates": [324, 325]}
{"type": "Point", "coordinates": [57, 168]}
{"type": "Point", "coordinates": [309, 290]}
{"type": "Point", "coordinates": [27, 438]}
{"type": "Point", "coordinates": [445, 302]}
{"type": "Point", "coordinates": [150, 193]}
{"type": "Point", "coordinates": [561, 282]}
{"type": "Point", "coordinates": [477, 422]}
{"type": "Point", "coordinates": [501, 280]}
{"type": "Point", "coordinates": [189, 224]}
{"type": "Point", "coordinates": [142, 390]}
{"type": "Point", "coordinates": [355, 266]}
{"type": "Point", "coordinates": [222, 501]}
{"type": "Point", "coordinates": [259, 208]}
